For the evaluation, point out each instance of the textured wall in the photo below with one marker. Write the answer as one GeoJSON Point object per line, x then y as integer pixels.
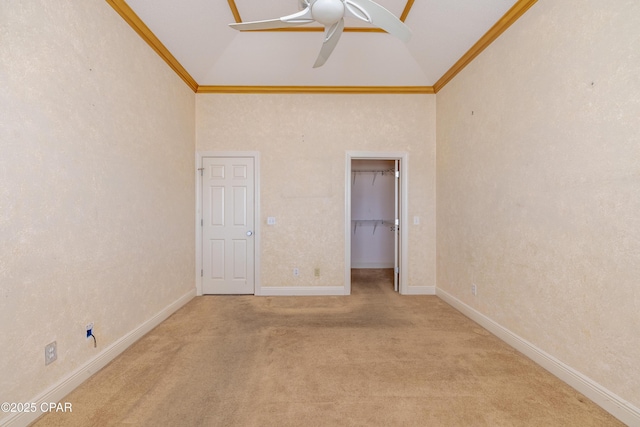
{"type": "Point", "coordinates": [303, 141]}
{"type": "Point", "coordinates": [538, 172]}
{"type": "Point", "coordinates": [96, 186]}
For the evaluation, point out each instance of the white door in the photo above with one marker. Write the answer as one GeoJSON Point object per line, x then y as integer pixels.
{"type": "Point", "coordinates": [396, 243]}
{"type": "Point", "coordinates": [227, 225]}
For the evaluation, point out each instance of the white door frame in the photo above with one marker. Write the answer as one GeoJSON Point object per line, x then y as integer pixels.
{"type": "Point", "coordinates": [403, 157]}
{"type": "Point", "coordinates": [256, 228]}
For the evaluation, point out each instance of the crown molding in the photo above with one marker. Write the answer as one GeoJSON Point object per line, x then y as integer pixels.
{"type": "Point", "coordinates": [147, 35]}
{"type": "Point", "coordinates": [512, 15]}
{"type": "Point", "coordinates": [234, 10]}
{"type": "Point", "coordinates": [319, 89]}
{"type": "Point", "coordinates": [407, 9]}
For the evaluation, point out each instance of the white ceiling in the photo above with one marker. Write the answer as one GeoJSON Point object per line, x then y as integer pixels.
{"type": "Point", "coordinates": [196, 32]}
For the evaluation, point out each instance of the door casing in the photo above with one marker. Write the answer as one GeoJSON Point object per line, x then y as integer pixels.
{"type": "Point", "coordinates": [198, 227]}
{"type": "Point", "coordinates": [403, 158]}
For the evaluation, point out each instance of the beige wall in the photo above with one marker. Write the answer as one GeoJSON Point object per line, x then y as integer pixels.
{"type": "Point", "coordinates": [96, 187]}
{"type": "Point", "coordinates": [303, 140]}
{"type": "Point", "coordinates": [538, 173]}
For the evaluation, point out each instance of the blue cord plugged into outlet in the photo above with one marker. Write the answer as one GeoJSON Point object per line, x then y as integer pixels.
{"type": "Point", "coordinates": [90, 335]}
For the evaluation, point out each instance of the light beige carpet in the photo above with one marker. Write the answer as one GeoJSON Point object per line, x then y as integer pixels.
{"type": "Point", "coordinates": [374, 358]}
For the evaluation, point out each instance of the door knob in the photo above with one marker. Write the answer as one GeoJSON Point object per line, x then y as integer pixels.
{"type": "Point", "coordinates": [249, 233]}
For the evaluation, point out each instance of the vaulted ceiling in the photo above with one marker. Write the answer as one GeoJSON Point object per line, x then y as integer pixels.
{"type": "Point", "coordinates": [194, 37]}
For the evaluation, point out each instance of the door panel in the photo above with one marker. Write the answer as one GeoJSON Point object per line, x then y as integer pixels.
{"type": "Point", "coordinates": [239, 206]}
{"type": "Point", "coordinates": [227, 230]}
{"type": "Point", "coordinates": [239, 259]}
{"type": "Point", "coordinates": [216, 206]}
{"type": "Point", "coordinates": [217, 259]}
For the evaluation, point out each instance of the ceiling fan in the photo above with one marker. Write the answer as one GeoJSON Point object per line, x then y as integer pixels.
{"type": "Point", "coordinates": [331, 13]}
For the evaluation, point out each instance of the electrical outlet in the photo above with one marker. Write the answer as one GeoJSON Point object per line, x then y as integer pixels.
{"type": "Point", "coordinates": [89, 330]}
{"type": "Point", "coordinates": [296, 272]}
{"type": "Point", "coordinates": [474, 289]}
{"type": "Point", "coordinates": [50, 353]}
{"type": "Point", "coordinates": [316, 272]}
{"type": "Point", "coordinates": [271, 220]}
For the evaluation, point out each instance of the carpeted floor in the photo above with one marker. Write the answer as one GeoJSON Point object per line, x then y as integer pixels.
{"type": "Point", "coordinates": [374, 358]}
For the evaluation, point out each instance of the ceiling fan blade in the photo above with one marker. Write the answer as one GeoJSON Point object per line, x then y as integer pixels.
{"type": "Point", "coordinates": [372, 12]}
{"type": "Point", "coordinates": [299, 18]}
{"type": "Point", "coordinates": [331, 36]}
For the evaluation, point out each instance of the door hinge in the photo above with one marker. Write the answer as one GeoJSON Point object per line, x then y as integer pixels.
{"type": "Point", "coordinates": [201, 273]}
{"type": "Point", "coordinates": [397, 270]}
{"type": "Point", "coordinates": [201, 171]}
{"type": "Point", "coordinates": [397, 174]}
{"type": "Point", "coordinates": [397, 221]}
{"type": "Point", "coordinates": [201, 222]}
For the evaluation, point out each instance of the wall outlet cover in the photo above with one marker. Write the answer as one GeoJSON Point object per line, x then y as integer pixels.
{"type": "Point", "coordinates": [50, 353]}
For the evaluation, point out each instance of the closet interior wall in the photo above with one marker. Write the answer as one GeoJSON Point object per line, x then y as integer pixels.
{"type": "Point", "coordinates": [372, 213]}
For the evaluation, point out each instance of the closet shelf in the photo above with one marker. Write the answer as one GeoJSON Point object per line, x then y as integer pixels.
{"type": "Point", "coordinates": [375, 223]}
{"type": "Point", "coordinates": [375, 172]}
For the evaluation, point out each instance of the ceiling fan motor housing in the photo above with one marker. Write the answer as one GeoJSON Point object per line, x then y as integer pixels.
{"type": "Point", "coordinates": [327, 12]}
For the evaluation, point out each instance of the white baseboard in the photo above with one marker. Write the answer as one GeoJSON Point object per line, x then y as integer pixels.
{"type": "Point", "coordinates": [420, 290]}
{"type": "Point", "coordinates": [610, 402]}
{"type": "Point", "coordinates": [66, 385]}
{"type": "Point", "coordinates": [301, 290]}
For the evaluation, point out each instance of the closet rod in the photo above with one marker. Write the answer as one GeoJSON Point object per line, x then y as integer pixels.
{"type": "Point", "coordinates": [375, 173]}
{"type": "Point", "coordinates": [374, 222]}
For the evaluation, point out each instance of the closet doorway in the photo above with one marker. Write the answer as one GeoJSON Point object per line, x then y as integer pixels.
{"type": "Point", "coordinates": [376, 199]}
